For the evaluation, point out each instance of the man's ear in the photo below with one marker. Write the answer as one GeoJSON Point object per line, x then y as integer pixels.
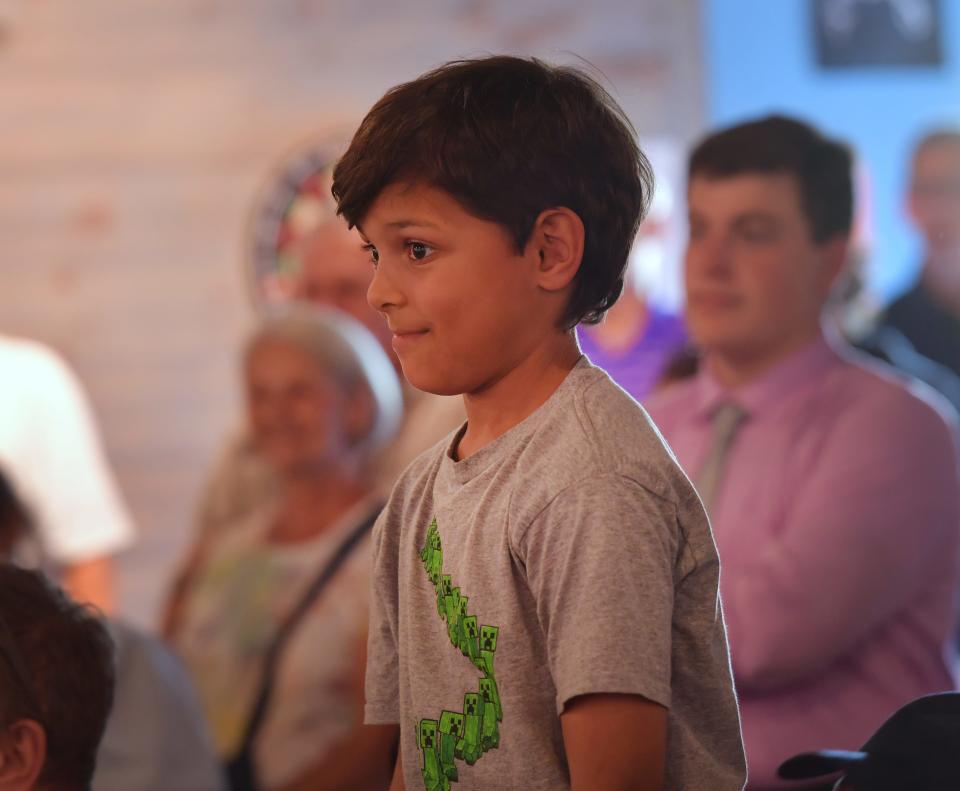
{"type": "Point", "coordinates": [557, 242]}
{"type": "Point", "coordinates": [23, 752]}
{"type": "Point", "coordinates": [834, 260]}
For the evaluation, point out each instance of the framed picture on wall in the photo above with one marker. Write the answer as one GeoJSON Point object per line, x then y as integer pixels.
{"type": "Point", "coordinates": [293, 202]}
{"type": "Point", "coordinates": [879, 33]}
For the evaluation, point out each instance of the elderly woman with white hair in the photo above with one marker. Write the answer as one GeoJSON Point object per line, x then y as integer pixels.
{"type": "Point", "coordinates": [272, 617]}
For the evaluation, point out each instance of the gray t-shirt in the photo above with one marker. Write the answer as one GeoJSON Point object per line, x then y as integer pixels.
{"type": "Point", "coordinates": [569, 556]}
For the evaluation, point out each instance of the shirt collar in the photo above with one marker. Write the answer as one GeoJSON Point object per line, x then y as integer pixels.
{"type": "Point", "coordinates": [771, 387]}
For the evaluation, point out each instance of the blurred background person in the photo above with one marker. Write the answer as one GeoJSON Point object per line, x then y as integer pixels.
{"type": "Point", "coordinates": [852, 314]}
{"type": "Point", "coordinates": [928, 315]}
{"type": "Point", "coordinates": [56, 685]}
{"type": "Point", "coordinates": [50, 448]}
{"type": "Point", "coordinates": [323, 401]}
{"type": "Point", "coordinates": [850, 311]}
{"type": "Point", "coordinates": [156, 737]}
{"type": "Point", "coordinates": [832, 485]}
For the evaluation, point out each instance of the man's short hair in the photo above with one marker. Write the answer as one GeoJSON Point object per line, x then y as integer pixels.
{"type": "Point", "coordinates": [56, 667]}
{"type": "Point", "coordinates": [508, 138]}
{"type": "Point", "coordinates": [937, 136]}
{"type": "Point", "coordinates": [776, 144]}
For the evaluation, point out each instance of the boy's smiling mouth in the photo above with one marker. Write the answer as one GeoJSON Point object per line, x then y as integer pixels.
{"type": "Point", "coordinates": [404, 339]}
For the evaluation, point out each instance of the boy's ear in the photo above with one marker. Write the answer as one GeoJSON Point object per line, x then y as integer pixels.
{"type": "Point", "coordinates": [23, 752]}
{"type": "Point", "coordinates": [557, 243]}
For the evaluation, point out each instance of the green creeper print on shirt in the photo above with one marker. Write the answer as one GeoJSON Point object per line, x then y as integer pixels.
{"type": "Point", "coordinates": [459, 735]}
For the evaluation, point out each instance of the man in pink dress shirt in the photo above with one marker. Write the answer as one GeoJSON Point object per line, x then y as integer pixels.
{"type": "Point", "coordinates": [831, 483]}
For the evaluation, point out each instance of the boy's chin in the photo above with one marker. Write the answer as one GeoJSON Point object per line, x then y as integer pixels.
{"type": "Point", "coordinates": [431, 382]}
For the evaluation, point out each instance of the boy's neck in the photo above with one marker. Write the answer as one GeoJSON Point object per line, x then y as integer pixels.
{"type": "Point", "coordinates": [517, 394]}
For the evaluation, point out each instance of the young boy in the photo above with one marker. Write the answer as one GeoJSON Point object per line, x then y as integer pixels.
{"type": "Point", "coordinates": [545, 611]}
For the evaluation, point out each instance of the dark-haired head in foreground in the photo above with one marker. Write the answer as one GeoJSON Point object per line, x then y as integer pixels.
{"type": "Point", "coordinates": [490, 168]}
{"type": "Point", "coordinates": [56, 685]}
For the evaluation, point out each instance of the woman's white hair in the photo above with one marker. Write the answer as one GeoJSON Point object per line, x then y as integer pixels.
{"type": "Point", "coordinates": [349, 353]}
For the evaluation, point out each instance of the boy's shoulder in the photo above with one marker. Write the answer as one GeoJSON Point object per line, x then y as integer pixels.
{"type": "Point", "coordinates": [606, 417]}
{"type": "Point", "coordinates": [596, 429]}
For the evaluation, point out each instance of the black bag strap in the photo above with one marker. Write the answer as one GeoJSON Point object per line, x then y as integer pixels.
{"type": "Point", "coordinates": [289, 626]}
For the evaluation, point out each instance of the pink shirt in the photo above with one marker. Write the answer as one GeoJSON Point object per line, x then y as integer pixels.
{"type": "Point", "coordinates": [837, 524]}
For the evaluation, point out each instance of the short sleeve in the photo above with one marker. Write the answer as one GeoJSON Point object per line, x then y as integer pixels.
{"type": "Point", "coordinates": [382, 685]}
{"type": "Point", "coordinates": [600, 562]}
{"type": "Point", "coordinates": [63, 471]}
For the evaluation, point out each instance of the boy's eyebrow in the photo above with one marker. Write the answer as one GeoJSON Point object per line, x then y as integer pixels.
{"type": "Point", "coordinates": [401, 224]}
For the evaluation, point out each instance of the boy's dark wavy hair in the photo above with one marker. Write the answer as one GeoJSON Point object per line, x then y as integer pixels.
{"type": "Point", "coordinates": [509, 137]}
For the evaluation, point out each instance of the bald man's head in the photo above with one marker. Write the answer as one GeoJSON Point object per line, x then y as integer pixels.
{"type": "Point", "coordinates": [335, 271]}
{"type": "Point", "coordinates": [934, 199]}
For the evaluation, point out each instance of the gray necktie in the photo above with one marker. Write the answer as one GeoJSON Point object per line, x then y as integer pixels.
{"type": "Point", "coordinates": [726, 422]}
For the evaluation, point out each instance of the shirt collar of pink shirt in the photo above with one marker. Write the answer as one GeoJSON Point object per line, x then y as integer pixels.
{"type": "Point", "coordinates": [799, 371]}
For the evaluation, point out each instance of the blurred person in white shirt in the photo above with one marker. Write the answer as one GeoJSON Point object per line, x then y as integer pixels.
{"type": "Point", "coordinates": [51, 450]}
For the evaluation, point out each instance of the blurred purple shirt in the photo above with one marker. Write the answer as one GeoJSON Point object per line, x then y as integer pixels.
{"type": "Point", "coordinates": [638, 368]}
{"type": "Point", "coordinates": [837, 527]}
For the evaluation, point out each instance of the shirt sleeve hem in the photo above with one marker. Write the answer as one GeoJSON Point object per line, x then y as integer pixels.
{"type": "Point", "coordinates": [656, 693]}
{"type": "Point", "coordinates": [377, 714]}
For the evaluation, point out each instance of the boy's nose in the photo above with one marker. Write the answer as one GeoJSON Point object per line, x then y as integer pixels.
{"type": "Point", "coordinates": [382, 293]}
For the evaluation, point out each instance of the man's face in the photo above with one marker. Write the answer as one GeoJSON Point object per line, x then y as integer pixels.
{"type": "Point", "coordinates": [934, 201]}
{"type": "Point", "coordinates": [755, 279]}
{"type": "Point", "coordinates": [461, 302]}
{"type": "Point", "coordinates": [335, 272]}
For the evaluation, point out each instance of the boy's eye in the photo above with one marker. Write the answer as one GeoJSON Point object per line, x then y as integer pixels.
{"type": "Point", "coordinates": [418, 250]}
{"type": "Point", "coordinates": [374, 253]}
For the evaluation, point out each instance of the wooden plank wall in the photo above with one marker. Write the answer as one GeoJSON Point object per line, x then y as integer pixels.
{"type": "Point", "coordinates": [133, 138]}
